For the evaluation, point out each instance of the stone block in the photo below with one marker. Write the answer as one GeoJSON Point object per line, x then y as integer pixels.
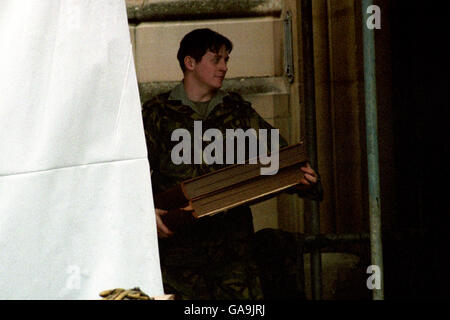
{"type": "Point", "coordinates": [257, 48]}
{"type": "Point", "coordinates": [270, 105]}
{"type": "Point", "coordinates": [133, 8]}
{"type": "Point", "coordinates": [133, 39]}
{"type": "Point", "coordinates": [170, 10]}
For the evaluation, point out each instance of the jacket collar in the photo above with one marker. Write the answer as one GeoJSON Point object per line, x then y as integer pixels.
{"type": "Point", "coordinates": [179, 94]}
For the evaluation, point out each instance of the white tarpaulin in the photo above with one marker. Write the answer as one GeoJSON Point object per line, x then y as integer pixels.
{"type": "Point", "coordinates": [76, 206]}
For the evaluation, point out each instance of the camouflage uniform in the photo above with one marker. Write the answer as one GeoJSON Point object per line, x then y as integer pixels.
{"type": "Point", "coordinates": [212, 258]}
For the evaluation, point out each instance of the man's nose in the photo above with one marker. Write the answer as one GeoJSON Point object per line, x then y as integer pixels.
{"type": "Point", "coordinates": [223, 66]}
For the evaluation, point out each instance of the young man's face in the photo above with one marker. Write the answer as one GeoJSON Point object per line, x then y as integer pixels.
{"type": "Point", "coordinates": [211, 69]}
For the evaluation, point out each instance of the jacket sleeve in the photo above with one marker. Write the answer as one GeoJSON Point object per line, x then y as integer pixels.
{"type": "Point", "coordinates": [152, 123]}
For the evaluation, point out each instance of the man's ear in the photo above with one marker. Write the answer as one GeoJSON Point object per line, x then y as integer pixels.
{"type": "Point", "coordinates": [189, 63]}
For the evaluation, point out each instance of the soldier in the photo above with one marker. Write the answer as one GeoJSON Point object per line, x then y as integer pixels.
{"type": "Point", "coordinates": [213, 257]}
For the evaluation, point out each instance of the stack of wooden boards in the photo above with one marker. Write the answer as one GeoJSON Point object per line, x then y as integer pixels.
{"type": "Point", "coordinates": [230, 187]}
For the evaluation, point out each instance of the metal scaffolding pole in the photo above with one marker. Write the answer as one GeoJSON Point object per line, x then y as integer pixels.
{"type": "Point", "coordinates": [324, 240]}
{"type": "Point", "coordinates": [311, 140]}
{"type": "Point", "coordinates": [370, 90]}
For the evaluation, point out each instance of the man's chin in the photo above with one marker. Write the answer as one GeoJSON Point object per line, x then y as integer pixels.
{"type": "Point", "coordinates": [215, 85]}
{"type": "Point", "coordinates": [218, 84]}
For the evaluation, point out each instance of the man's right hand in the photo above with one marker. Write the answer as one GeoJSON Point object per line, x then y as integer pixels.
{"type": "Point", "coordinates": [163, 231]}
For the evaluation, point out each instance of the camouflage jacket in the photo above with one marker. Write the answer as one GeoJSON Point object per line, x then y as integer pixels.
{"type": "Point", "coordinates": [163, 114]}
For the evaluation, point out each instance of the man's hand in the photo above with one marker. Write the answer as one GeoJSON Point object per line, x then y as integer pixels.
{"type": "Point", "coordinates": [310, 176]}
{"type": "Point", "coordinates": [188, 208]}
{"type": "Point", "coordinates": [163, 231]}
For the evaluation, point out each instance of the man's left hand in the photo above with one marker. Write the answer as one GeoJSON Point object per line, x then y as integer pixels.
{"type": "Point", "coordinates": [310, 176]}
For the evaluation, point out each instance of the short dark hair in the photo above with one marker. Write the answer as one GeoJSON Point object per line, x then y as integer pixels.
{"type": "Point", "coordinates": [197, 42]}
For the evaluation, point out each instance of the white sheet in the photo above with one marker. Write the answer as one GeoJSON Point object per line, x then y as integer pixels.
{"type": "Point", "coordinates": [76, 208]}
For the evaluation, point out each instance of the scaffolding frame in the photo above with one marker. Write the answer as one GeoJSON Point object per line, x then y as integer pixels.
{"type": "Point", "coordinates": [315, 239]}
